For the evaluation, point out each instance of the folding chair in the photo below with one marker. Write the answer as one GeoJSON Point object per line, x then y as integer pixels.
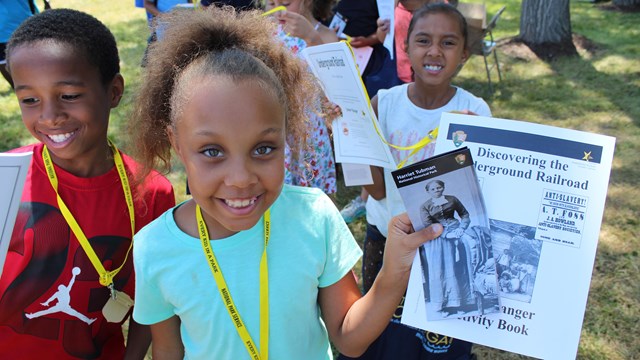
{"type": "Point", "coordinates": [488, 46]}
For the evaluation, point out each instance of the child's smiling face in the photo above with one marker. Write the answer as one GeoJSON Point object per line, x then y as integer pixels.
{"type": "Point", "coordinates": [436, 48]}
{"type": "Point", "coordinates": [64, 103]}
{"type": "Point", "coordinates": [230, 137]}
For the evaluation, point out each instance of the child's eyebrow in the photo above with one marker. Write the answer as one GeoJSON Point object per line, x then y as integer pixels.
{"type": "Point", "coordinates": [70, 83]}
{"type": "Point", "coordinates": [271, 130]}
{"type": "Point", "coordinates": [22, 87]}
{"type": "Point", "coordinates": [452, 34]}
{"type": "Point", "coordinates": [207, 132]}
{"type": "Point", "coordinates": [59, 83]}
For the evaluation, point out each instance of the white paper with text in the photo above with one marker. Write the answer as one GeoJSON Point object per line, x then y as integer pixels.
{"type": "Point", "coordinates": [355, 137]}
{"type": "Point", "coordinates": [544, 189]}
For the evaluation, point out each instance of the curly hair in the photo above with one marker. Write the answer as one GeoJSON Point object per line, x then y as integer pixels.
{"type": "Point", "coordinates": [84, 33]}
{"type": "Point", "coordinates": [208, 42]}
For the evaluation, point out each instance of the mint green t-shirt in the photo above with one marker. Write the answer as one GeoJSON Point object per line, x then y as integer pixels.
{"type": "Point", "coordinates": [310, 247]}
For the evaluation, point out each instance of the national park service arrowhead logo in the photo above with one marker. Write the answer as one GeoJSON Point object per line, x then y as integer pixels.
{"type": "Point", "coordinates": [458, 138]}
{"type": "Point", "coordinates": [461, 159]}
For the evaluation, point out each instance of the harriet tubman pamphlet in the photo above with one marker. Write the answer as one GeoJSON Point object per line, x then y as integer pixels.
{"type": "Point", "coordinates": [13, 172]}
{"type": "Point", "coordinates": [544, 189]}
{"type": "Point", "coordinates": [458, 269]}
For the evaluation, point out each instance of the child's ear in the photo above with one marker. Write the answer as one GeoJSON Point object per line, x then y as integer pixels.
{"type": "Point", "coordinates": [465, 56]}
{"type": "Point", "coordinates": [116, 89]}
{"type": "Point", "coordinates": [171, 134]}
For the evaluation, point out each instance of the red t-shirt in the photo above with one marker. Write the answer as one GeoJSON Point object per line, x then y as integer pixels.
{"type": "Point", "coordinates": [50, 298]}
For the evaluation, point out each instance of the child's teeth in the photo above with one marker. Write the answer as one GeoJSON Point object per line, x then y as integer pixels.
{"type": "Point", "coordinates": [240, 203]}
{"type": "Point", "coordinates": [60, 137]}
{"type": "Point", "coordinates": [433, 67]}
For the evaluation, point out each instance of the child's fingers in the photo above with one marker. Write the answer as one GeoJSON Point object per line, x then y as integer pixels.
{"type": "Point", "coordinates": [382, 21]}
{"type": "Point", "coordinates": [402, 242]}
{"type": "Point", "coordinates": [432, 231]}
{"type": "Point", "coordinates": [401, 227]}
{"type": "Point", "coordinates": [414, 240]}
{"type": "Point", "coordinates": [383, 25]}
{"type": "Point", "coordinates": [401, 224]}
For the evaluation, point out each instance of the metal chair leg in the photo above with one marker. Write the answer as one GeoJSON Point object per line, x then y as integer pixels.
{"type": "Point", "coordinates": [486, 66]}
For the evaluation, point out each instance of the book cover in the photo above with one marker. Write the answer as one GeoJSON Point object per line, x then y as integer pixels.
{"type": "Point", "coordinates": [458, 268]}
{"type": "Point", "coordinates": [544, 189]}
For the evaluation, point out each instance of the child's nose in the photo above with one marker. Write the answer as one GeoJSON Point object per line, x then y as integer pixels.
{"type": "Point", "coordinates": [51, 112]}
{"type": "Point", "coordinates": [239, 173]}
{"type": "Point", "coordinates": [433, 50]}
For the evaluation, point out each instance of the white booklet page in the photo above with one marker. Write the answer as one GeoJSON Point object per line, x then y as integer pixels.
{"type": "Point", "coordinates": [544, 189]}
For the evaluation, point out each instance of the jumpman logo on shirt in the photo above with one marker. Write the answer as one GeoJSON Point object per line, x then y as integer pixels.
{"type": "Point", "coordinates": [63, 295]}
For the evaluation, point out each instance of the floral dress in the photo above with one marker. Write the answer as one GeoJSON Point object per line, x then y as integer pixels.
{"type": "Point", "coordinates": [316, 166]}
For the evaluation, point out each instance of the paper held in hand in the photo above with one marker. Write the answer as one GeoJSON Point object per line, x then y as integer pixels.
{"type": "Point", "coordinates": [386, 10]}
{"type": "Point", "coordinates": [355, 138]}
{"type": "Point", "coordinates": [354, 134]}
{"type": "Point", "coordinates": [544, 189]}
{"type": "Point", "coordinates": [13, 172]}
{"type": "Point", "coordinates": [458, 268]}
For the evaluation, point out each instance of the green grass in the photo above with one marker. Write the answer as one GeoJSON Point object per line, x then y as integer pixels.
{"type": "Point", "coordinates": [597, 92]}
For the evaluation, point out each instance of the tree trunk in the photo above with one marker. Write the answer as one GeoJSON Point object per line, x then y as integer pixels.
{"type": "Point", "coordinates": [545, 26]}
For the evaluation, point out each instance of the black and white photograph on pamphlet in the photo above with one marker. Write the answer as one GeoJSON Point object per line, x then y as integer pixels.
{"type": "Point", "coordinates": [544, 189]}
{"type": "Point", "coordinates": [517, 254]}
{"type": "Point", "coordinates": [458, 268]}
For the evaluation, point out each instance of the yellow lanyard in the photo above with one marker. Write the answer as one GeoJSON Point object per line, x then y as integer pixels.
{"type": "Point", "coordinates": [106, 277]}
{"type": "Point", "coordinates": [274, 10]}
{"type": "Point", "coordinates": [226, 294]}
{"type": "Point", "coordinates": [432, 135]}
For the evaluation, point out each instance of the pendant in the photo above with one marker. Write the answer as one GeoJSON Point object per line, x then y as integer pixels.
{"type": "Point", "coordinates": [117, 307]}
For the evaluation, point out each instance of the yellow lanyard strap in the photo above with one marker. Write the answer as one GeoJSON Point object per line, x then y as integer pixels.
{"type": "Point", "coordinates": [106, 277]}
{"type": "Point", "coordinates": [432, 135]}
{"type": "Point", "coordinates": [274, 10]}
{"type": "Point", "coordinates": [226, 294]}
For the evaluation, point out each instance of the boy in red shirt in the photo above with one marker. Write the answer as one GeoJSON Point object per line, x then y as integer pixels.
{"type": "Point", "coordinates": [70, 251]}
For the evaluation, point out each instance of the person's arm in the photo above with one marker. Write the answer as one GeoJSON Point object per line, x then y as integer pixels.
{"type": "Point", "coordinates": [166, 340]}
{"type": "Point", "coordinates": [326, 35]}
{"type": "Point", "coordinates": [313, 33]}
{"type": "Point", "coordinates": [383, 29]}
{"type": "Point", "coordinates": [362, 41]}
{"type": "Point", "coordinates": [354, 322]}
{"type": "Point", "coordinates": [49, 300]}
{"type": "Point", "coordinates": [138, 340]}
{"type": "Point", "coordinates": [151, 8]}
{"type": "Point", "coordinates": [377, 189]}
